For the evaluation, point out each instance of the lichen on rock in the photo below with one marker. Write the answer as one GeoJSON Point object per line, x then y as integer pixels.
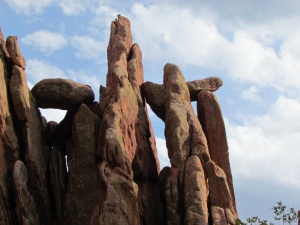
{"type": "Point", "coordinates": [100, 165]}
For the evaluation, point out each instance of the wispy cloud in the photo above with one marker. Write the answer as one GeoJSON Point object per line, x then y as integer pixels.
{"type": "Point", "coordinates": [197, 41]}
{"type": "Point", "coordinates": [71, 7]}
{"type": "Point", "coordinates": [88, 48]}
{"type": "Point", "coordinates": [29, 6]}
{"type": "Point", "coordinates": [45, 41]}
{"type": "Point", "coordinates": [37, 70]}
{"type": "Point", "coordinates": [266, 147]}
{"type": "Point", "coordinates": [252, 94]}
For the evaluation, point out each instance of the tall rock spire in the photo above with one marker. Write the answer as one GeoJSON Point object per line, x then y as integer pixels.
{"type": "Point", "coordinates": [100, 165]}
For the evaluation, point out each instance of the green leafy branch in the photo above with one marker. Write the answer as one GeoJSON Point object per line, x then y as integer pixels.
{"type": "Point", "coordinates": [280, 213]}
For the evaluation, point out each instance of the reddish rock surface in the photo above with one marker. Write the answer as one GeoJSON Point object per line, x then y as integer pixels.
{"type": "Point", "coordinates": [126, 141]}
{"type": "Point", "coordinates": [187, 148]}
{"type": "Point", "coordinates": [208, 84]}
{"type": "Point", "coordinates": [99, 165]}
{"type": "Point", "coordinates": [14, 51]}
{"type": "Point", "coordinates": [219, 192]}
{"type": "Point", "coordinates": [218, 216]}
{"type": "Point", "coordinates": [183, 131]}
{"type": "Point", "coordinates": [195, 192]}
{"type": "Point", "coordinates": [210, 116]}
{"type": "Point", "coordinates": [155, 95]}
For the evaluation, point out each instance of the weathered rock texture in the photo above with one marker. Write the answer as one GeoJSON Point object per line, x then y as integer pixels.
{"type": "Point", "coordinates": [62, 94]}
{"type": "Point", "coordinates": [155, 95]}
{"type": "Point", "coordinates": [210, 116]}
{"type": "Point", "coordinates": [99, 165]}
{"type": "Point", "coordinates": [129, 167]}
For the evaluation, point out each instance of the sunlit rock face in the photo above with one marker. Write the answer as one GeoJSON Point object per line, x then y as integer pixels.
{"type": "Point", "coordinates": [99, 165]}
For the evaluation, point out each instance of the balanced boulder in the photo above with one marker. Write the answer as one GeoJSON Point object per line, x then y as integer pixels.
{"type": "Point", "coordinates": [62, 94]}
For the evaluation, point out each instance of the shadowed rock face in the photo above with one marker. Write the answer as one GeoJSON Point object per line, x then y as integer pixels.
{"type": "Point", "coordinates": [83, 182]}
{"type": "Point", "coordinates": [9, 146]}
{"type": "Point", "coordinates": [62, 94]}
{"type": "Point", "coordinates": [99, 165]}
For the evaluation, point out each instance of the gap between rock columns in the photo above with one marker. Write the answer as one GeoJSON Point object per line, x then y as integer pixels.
{"type": "Point", "coordinates": [113, 172]}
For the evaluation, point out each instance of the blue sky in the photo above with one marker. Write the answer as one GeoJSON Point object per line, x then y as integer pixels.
{"type": "Point", "coordinates": [252, 45]}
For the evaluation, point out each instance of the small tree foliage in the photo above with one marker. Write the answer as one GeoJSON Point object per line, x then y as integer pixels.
{"type": "Point", "coordinates": [281, 215]}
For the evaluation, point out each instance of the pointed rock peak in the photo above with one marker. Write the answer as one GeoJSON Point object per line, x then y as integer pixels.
{"type": "Point", "coordinates": [99, 165]}
{"type": "Point", "coordinates": [13, 49]}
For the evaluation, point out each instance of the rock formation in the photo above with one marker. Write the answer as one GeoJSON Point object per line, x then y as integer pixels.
{"type": "Point", "coordinates": [62, 94]}
{"type": "Point", "coordinates": [99, 165]}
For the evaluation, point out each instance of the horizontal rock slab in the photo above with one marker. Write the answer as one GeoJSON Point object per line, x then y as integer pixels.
{"type": "Point", "coordinates": [62, 94]}
{"type": "Point", "coordinates": [155, 95]}
{"type": "Point", "coordinates": [208, 84]}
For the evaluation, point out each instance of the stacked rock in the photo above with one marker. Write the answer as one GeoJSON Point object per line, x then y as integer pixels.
{"type": "Point", "coordinates": [99, 165]}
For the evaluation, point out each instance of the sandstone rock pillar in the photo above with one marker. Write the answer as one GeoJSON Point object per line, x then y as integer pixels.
{"type": "Point", "coordinates": [210, 116]}
{"type": "Point", "coordinates": [185, 191]}
{"type": "Point", "coordinates": [128, 164]}
{"type": "Point", "coordinates": [99, 165]}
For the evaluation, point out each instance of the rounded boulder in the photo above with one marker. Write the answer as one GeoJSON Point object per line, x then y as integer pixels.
{"type": "Point", "coordinates": [62, 94]}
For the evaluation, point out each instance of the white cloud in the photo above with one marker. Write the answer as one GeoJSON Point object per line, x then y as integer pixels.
{"type": "Point", "coordinates": [252, 94]}
{"type": "Point", "coordinates": [105, 15]}
{"type": "Point", "coordinates": [29, 6]}
{"type": "Point", "coordinates": [162, 152]}
{"type": "Point", "coordinates": [45, 41]}
{"type": "Point", "coordinates": [37, 70]}
{"type": "Point", "coordinates": [195, 40]}
{"type": "Point", "coordinates": [88, 47]}
{"type": "Point", "coordinates": [71, 7]}
{"type": "Point", "coordinates": [76, 7]}
{"type": "Point", "coordinates": [100, 25]}
{"type": "Point", "coordinates": [167, 36]}
{"type": "Point", "coordinates": [266, 148]}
